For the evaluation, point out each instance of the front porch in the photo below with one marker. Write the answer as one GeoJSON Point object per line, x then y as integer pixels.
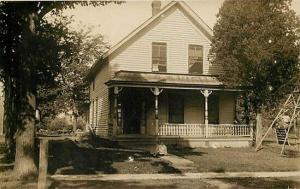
{"type": "Point", "coordinates": [192, 135]}
{"type": "Point", "coordinates": [184, 112]}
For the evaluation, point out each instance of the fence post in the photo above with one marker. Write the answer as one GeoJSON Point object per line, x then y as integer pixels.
{"type": "Point", "coordinates": [43, 164]}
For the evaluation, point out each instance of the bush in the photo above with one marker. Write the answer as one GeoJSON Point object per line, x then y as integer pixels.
{"type": "Point", "coordinates": [81, 123]}
{"type": "Point", "coordinates": [58, 124]}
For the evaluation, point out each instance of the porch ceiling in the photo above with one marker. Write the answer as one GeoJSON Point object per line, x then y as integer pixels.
{"type": "Point", "coordinates": [164, 80]}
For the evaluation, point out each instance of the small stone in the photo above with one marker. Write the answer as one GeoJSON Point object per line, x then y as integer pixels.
{"type": "Point", "coordinates": [130, 159]}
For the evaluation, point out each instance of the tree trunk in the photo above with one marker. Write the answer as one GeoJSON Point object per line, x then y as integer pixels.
{"type": "Point", "coordinates": [74, 123]}
{"type": "Point", "coordinates": [258, 133]}
{"type": "Point", "coordinates": [24, 159]}
{"type": "Point", "coordinates": [25, 166]}
{"type": "Point", "coordinates": [9, 119]}
{"type": "Point", "coordinates": [74, 117]}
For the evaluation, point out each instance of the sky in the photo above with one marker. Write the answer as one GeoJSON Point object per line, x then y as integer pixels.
{"type": "Point", "coordinates": [116, 21]}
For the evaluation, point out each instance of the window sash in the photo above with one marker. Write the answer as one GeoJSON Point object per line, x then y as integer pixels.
{"type": "Point", "coordinates": [159, 57]}
{"type": "Point", "coordinates": [195, 59]}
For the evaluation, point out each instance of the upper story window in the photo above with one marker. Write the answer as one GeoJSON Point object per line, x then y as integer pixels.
{"type": "Point", "coordinates": [195, 59]}
{"type": "Point", "coordinates": [159, 57]}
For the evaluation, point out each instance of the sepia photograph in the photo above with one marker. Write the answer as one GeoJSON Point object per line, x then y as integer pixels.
{"type": "Point", "coordinates": [150, 94]}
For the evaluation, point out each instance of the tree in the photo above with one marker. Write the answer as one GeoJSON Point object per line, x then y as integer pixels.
{"type": "Point", "coordinates": [70, 92]}
{"type": "Point", "coordinates": [27, 61]}
{"type": "Point", "coordinates": [257, 45]}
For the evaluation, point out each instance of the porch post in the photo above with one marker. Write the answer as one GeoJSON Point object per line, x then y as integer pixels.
{"type": "Point", "coordinates": [206, 94]}
{"type": "Point", "coordinates": [156, 91]}
{"type": "Point", "coordinates": [117, 113]}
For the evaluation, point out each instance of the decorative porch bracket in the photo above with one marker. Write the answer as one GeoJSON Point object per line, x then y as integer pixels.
{"type": "Point", "coordinates": [117, 113]}
{"type": "Point", "coordinates": [206, 94]}
{"type": "Point", "coordinates": [156, 91]}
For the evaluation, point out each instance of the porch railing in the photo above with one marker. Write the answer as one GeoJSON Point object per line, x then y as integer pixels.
{"type": "Point", "coordinates": [170, 129]}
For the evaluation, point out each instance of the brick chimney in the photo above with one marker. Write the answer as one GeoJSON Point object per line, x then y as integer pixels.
{"type": "Point", "coordinates": [155, 7]}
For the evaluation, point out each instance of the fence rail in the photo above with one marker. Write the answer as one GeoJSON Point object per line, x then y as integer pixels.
{"type": "Point", "coordinates": [170, 129]}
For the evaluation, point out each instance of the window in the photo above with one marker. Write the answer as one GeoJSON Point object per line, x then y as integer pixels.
{"type": "Point", "coordinates": [93, 84]}
{"type": "Point", "coordinates": [195, 59]}
{"type": "Point", "coordinates": [176, 108]}
{"type": "Point", "coordinates": [93, 111]}
{"type": "Point", "coordinates": [96, 110]}
{"type": "Point", "coordinates": [159, 57]}
{"type": "Point", "coordinates": [213, 109]}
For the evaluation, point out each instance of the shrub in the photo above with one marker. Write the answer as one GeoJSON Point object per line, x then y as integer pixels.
{"type": "Point", "coordinates": [81, 123]}
{"type": "Point", "coordinates": [58, 124]}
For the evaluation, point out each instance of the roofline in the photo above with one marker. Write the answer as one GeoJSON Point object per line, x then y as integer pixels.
{"type": "Point", "coordinates": [185, 7]}
{"type": "Point", "coordinates": [140, 27]}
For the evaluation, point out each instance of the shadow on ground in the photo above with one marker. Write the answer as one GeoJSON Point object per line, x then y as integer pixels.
{"type": "Point", "coordinates": [73, 158]}
{"type": "Point", "coordinates": [256, 183]}
{"type": "Point", "coordinates": [107, 185]}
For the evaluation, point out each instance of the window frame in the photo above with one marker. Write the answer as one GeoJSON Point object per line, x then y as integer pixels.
{"type": "Point", "coordinates": [188, 59]}
{"type": "Point", "coordinates": [166, 56]}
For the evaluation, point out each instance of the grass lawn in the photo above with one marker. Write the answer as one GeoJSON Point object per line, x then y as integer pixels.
{"type": "Point", "coordinates": [239, 159]}
{"type": "Point", "coordinates": [69, 157]}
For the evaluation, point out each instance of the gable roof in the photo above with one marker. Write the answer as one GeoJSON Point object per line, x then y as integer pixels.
{"type": "Point", "coordinates": [196, 20]}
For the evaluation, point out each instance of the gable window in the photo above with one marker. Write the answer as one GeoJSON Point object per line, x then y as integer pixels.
{"type": "Point", "coordinates": [195, 59]}
{"type": "Point", "coordinates": [176, 108]}
{"type": "Point", "coordinates": [159, 57]}
{"type": "Point", "coordinates": [213, 109]}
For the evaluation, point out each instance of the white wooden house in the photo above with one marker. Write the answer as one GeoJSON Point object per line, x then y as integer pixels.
{"type": "Point", "coordinates": [158, 81]}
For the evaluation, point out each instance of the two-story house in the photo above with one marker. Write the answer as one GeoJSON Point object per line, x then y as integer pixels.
{"type": "Point", "coordinates": [158, 82]}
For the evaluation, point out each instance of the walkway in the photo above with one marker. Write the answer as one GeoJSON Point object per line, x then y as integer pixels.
{"type": "Point", "coordinates": [179, 163]}
{"type": "Point", "coordinates": [208, 175]}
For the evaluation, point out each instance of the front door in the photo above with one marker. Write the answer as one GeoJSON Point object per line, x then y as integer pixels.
{"type": "Point", "coordinates": [132, 111]}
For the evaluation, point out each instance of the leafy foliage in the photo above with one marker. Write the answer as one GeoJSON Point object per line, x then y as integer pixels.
{"type": "Point", "coordinates": [30, 57]}
{"type": "Point", "coordinates": [70, 91]}
{"type": "Point", "coordinates": [257, 44]}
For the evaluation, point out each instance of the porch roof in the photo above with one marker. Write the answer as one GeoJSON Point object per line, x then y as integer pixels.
{"type": "Point", "coordinates": [164, 80]}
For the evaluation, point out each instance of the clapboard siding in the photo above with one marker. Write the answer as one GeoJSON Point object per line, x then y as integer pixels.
{"type": "Point", "coordinates": [100, 97]}
{"type": "Point", "coordinates": [176, 30]}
